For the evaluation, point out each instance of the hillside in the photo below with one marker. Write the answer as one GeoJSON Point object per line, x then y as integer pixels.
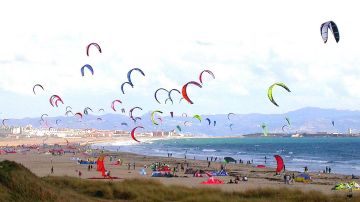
{"type": "Point", "coordinates": [309, 120]}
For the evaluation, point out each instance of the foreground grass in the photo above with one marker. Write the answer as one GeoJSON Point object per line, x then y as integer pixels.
{"type": "Point", "coordinates": [18, 184]}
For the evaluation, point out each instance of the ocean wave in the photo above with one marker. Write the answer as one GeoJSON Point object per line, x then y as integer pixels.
{"type": "Point", "coordinates": [308, 160]}
{"type": "Point", "coordinates": [209, 150]}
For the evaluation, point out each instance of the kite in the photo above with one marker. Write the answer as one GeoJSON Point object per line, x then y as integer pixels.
{"type": "Point", "coordinates": [265, 130]}
{"type": "Point", "coordinates": [184, 89]}
{"type": "Point", "coordinates": [209, 121]}
{"type": "Point", "coordinates": [101, 110]}
{"type": "Point", "coordinates": [229, 114]}
{"type": "Point", "coordinates": [207, 71]}
{"type": "Point", "coordinates": [123, 84]}
{"type": "Point", "coordinates": [153, 116]}
{"type": "Point", "coordinates": [3, 122]}
{"type": "Point", "coordinates": [280, 163]}
{"type": "Point", "coordinates": [129, 75]}
{"type": "Point", "coordinates": [270, 93]}
{"type": "Point", "coordinates": [133, 133]}
{"type": "Point", "coordinates": [324, 29]}
{"type": "Point", "coordinates": [172, 91]}
{"type": "Point", "coordinates": [66, 109]}
{"type": "Point", "coordinates": [57, 99]}
{"type": "Point", "coordinates": [113, 104]}
{"type": "Point", "coordinates": [131, 113]}
{"type": "Point", "coordinates": [88, 67]}
{"type": "Point", "coordinates": [37, 85]}
{"type": "Point", "coordinates": [79, 114]}
{"type": "Point", "coordinates": [155, 94]}
{"type": "Point", "coordinates": [288, 121]}
{"type": "Point", "coordinates": [67, 112]}
{"type": "Point", "coordinates": [92, 44]}
{"type": "Point", "coordinates": [86, 110]}
{"type": "Point", "coordinates": [198, 117]}
{"type": "Point", "coordinates": [42, 116]}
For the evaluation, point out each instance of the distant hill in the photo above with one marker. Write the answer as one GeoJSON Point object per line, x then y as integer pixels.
{"type": "Point", "coordinates": [309, 119]}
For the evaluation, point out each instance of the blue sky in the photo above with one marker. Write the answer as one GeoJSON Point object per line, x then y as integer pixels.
{"type": "Point", "coordinates": [247, 44]}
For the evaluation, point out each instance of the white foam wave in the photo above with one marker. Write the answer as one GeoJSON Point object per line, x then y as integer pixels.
{"type": "Point", "coordinates": [309, 160]}
{"type": "Point", "coordinates": [209, 150]}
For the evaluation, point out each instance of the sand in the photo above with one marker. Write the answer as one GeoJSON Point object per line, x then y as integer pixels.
{"type": "Point", "coordinates": [40, 163]}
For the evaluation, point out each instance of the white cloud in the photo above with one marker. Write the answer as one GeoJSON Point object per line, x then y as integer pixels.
{"type": "Point", "coordinates": [248, 46]}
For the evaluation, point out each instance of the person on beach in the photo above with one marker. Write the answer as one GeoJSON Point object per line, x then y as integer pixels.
{"type": "Point", "coordinates": [329, 169]}
{"type": "Point", "coordinates": [174, 171]}
{"type": "Point", "coordinates": [134, 165]}
{"type": "Point", "coordinates": [129, 166]}
{"type": "Point", "coordinates": [208, 164]}
{"type": "Point", "coordinates": [286, 179]}
{"type": "Point", "coordinates": [215, 159]}
{"type": "Point", "coordinates": [237, 179]}
{"type": "Point", "coordinates": [52, 169]}
{"type": "Point", "coordinates": [80, 174]}
{"type": "Point", "coordinates": [305, 169]}
{"type": "Point", "coordinates": [326, 169]}
{"type": "Point", "coordinates": [265, 159]}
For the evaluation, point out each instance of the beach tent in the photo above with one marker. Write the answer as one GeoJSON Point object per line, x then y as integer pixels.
{"type": "Point", "coordinates": [280, 163]}
{"type": "Point", "coordinates": [161, 174]}
{"type": "Point", "coordinates": [2, 151]}
{"type": "Point", "coordinates": [303, 177]}
{"type": "Point", "coordinates": [220, 173]}
{"type": "Point", "coordinates": [212, 180]}
{"type": "Point", "coordinates": [229, 160]}
{"type": "Point", "coordinates": [87, 162]}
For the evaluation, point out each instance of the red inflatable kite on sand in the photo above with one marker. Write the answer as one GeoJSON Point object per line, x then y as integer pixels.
{"type": "Point", "coordinates": [101, 166]}
{"type": "Point", "coordinates": [280, 163]}
{"type": "Point", "coordinates": [213, 180]}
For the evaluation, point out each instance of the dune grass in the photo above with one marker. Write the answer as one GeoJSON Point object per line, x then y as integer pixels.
{"type": "Point", "coordinates": [18, 184]}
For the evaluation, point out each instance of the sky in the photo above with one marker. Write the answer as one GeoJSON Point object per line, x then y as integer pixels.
{"type": "Point", "coordinates": [248, 45]}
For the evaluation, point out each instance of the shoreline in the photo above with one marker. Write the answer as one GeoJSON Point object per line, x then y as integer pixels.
{"type": "Point", "coordinates": [40, 162]}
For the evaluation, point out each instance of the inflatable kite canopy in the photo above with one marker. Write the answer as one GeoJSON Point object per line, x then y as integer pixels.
{"type": "Point", "coordinates": [280, 163]}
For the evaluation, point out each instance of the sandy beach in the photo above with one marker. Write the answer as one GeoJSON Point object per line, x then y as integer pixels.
{"type": "Point", "coordinates": [40, 161]}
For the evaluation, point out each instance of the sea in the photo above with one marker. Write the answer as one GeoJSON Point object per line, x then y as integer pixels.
{"type": "Point", "coordinates": [342, 155]}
